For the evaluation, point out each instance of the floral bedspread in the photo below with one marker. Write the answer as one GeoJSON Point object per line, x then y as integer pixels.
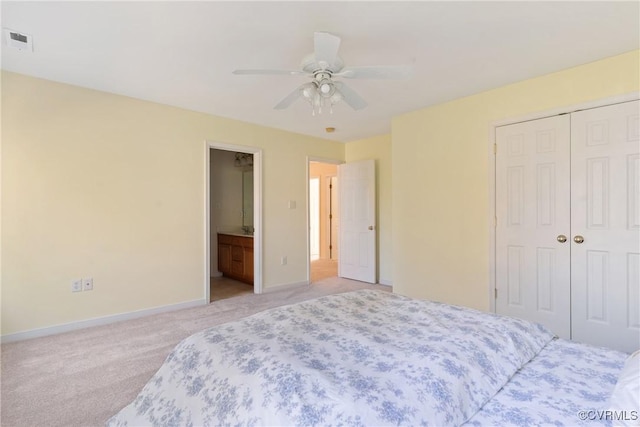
{"type": "Point", "coordinates": [568, 383]}
{"type": "Point", "coordinates": [358, 358]}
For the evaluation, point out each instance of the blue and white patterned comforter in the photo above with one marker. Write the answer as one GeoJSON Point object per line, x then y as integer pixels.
{"type": "Point", "coordinates": [567, 383]}
{"type": "Point", "coordinates": [359, 358]}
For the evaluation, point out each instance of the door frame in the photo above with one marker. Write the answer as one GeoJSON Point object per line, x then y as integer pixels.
{"type": "Point", "coordinates": [491, 226]}
{"type": "Point", "coordinates": [308, 210]}
{"type": "Point", "coordinates": [257, 212]}
{"type": "Point", "coordinates": [329, 212]}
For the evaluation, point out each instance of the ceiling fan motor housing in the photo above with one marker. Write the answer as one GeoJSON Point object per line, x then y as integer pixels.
{"type": "Point", "coordinates": [312, 66]}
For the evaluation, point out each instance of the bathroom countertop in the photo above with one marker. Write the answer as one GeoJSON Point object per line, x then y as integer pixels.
{"type": "Point", "coordinates": [235, 233]}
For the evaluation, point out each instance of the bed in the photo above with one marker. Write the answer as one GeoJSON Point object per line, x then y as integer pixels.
{"type": "Point", "coordinates": [370, 358]}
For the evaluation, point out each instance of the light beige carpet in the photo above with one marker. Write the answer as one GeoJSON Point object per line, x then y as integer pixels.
{"type": "Point", "coordinates": [82, 378]}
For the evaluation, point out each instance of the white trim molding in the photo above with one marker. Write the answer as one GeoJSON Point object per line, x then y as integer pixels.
{"type": "Point", "coordinates": [98, 321]}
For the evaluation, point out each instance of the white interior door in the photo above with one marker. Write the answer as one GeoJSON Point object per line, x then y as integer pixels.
{"type": "Point", "coordinates": [532, 210]}
{"type": "Point", "coordinates": [605, 189]}
{"type": "Point", "coordinates": [357, 259]}
{"type": "Point", "coordinates": [334, 218]}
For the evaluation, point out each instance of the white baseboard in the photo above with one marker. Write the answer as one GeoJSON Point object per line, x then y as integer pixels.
{"type": "Point", "coordinates": [97, 321]}
{"type": "Point", "coordinates": [385, 282]}
{"type": "Point", "coordinates": [285, 286]}
{"type": "Point", "coordinates": [216, 274]}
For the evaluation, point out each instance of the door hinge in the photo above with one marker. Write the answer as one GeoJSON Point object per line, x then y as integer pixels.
{"type": "Point", "coordinates": [495, 293]}
{"type": "Point", "coordinates": [330, 216]}
{"type": "Point", "coordinates": [495, 148]}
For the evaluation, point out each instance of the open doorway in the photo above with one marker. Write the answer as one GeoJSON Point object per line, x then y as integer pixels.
{"type": "Point", "coordinates": [324, 220]}
{"type": "Point", "coordinates": [234, 212]}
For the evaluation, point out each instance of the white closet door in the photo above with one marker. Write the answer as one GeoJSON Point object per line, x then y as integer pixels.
{"type": "Point", "coordinates": [605, 191]}
{"type": "Point", "coordinates": [532, 209]}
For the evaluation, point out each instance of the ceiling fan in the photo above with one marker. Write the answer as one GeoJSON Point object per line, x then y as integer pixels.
{"type": "Point", "coordinates": [323, 66]}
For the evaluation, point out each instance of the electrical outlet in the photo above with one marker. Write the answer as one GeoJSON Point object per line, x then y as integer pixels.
{"type": "Point", "coordinates": [283, 260]}
{"type": "Point", "coordinates": [87, 284]}
{"type": "Point", "coordinates": [76, 285]}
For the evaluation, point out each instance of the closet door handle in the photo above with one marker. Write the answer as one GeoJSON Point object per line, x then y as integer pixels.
{"type": "Point", "coordinates": [578, 239]}
{"type": "Point", "coordinates": [561, 238]}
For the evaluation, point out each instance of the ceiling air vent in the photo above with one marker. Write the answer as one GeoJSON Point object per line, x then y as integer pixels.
{"type": "Point", "coordinates": [18, 40]}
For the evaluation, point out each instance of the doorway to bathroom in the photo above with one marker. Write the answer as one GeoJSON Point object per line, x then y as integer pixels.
{"type": "Point", "coordinates": [234, 213]}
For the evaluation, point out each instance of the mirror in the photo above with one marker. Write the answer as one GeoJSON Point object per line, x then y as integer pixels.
{"type": "Point", "coordinates": [247, 199]}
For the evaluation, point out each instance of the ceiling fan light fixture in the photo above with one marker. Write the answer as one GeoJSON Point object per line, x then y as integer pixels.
{"type": "Point", "coordinates": [336, 97]}
{"type": "Point", "coordinates": [326, 88]}
{"type": "Point", "coordinates": [309, 91]}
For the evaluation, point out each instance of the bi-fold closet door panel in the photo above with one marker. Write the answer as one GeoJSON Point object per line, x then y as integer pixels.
{"type": "Point", "coordinates": [533, 210]}
{"type": "Point", "coordinates": [568, 223]}
{"type": "Point", "coordinates": [605, 206]}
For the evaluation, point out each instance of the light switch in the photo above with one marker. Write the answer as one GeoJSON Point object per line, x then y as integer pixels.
{"type": "Point", "coordinates": [292, 204]}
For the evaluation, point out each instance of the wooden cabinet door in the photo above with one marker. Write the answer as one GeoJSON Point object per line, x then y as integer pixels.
{"type": "Point", "coordinates": [248, 264]}
{"type": "Point", "coordinates": [237, 262]}
{"type": "Point", "coordinates": [235, 257]}
{"type": "Point", "coordinates": [224, 258]}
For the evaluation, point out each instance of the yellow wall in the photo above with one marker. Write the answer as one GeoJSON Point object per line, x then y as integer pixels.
{"type": "Point", "coordinates": [440, 177]}
{"type": "Point", "coordinates": [105, 186]}
{"type": "Point", "coordinates": [379, 149]}
{"type": "Point", "coordinates": [110, 187]}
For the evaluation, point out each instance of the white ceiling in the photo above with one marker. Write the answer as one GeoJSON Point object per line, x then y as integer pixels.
{"type": "Point", "coordinates": [183, 53]}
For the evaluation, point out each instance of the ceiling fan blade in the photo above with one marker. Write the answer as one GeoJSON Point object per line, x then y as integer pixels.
{"type": "Point", "coordinates": [325, 48]}
{"type": "Point", "coordinates": [271, 72]}
{"type": "Point", "coordinates": [376, 72]}
{"type": "Point", "coordinates": [354, 100]}
{"type": "Point", "coordinates": [289, 99]}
